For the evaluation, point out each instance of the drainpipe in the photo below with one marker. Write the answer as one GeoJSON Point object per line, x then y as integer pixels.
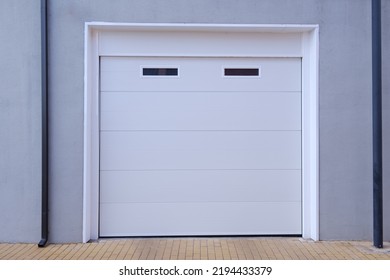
{"type": "Point", "coordinates": [45, 160]}
{"type": "Point", "coordinates": [377, 123]}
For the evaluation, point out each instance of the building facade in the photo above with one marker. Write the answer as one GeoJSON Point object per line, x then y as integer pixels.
{"type": "Point", "coordinates": [191, 118]}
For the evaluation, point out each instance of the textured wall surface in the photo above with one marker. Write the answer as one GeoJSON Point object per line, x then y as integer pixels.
{"type": "Point", "coordinates": [20, 121]}
{"type": "Point", "coordinates": [345, 103]}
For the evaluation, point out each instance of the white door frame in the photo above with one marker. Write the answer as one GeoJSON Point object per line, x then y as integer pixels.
{"type": "Point", "coordinates": [308, 44]}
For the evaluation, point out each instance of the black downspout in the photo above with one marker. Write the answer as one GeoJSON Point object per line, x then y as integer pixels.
{"type": "Point", "coordinates": [45, 160]}
{"type": "Point", "coordinates": [377, 123]}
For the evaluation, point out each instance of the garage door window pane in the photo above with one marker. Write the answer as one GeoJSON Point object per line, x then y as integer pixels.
{"type": "Point", "coordinates": [160, 71]}
{"type": "Point", "coordinates": [241, 71]}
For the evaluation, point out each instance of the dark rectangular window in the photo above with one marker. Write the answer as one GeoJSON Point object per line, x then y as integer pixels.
{"type": "Point", "coordinates": [160, 71]}
{"type": "Point", "coordinates": [241, 71]}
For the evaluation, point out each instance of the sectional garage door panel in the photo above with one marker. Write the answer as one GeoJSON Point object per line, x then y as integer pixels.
{"type": "Point", "coordinates": [198, 152]}
{"type": "Point", "coordinates": [200, 185]}
{"type": "Point", "coordinates": [213, 111]}
{"type": "Point", "coordinates": [234, 218]}
{"type": "Point", "coordinates": [117, 73]}
{"type": "Point", "coordinates": [159, 150]}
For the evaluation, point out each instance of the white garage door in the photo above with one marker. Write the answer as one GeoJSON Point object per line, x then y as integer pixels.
{"type": "Point", "coordinates": [200, 146]}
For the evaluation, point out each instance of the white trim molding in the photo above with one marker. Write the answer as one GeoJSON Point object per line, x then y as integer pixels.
{"type": "Point", "coordinates": [276, 40]}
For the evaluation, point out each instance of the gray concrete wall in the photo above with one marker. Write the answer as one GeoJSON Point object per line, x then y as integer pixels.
{"type": "Point", "coordinates": [20, 125]}
{"type": "Point", "coordinates": [345, 102]}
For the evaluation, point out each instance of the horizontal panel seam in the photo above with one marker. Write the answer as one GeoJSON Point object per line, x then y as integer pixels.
{"type": "Point", "coordinates": [135, 170]}
{"type": "Point", "coordinates": [202, 202]}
